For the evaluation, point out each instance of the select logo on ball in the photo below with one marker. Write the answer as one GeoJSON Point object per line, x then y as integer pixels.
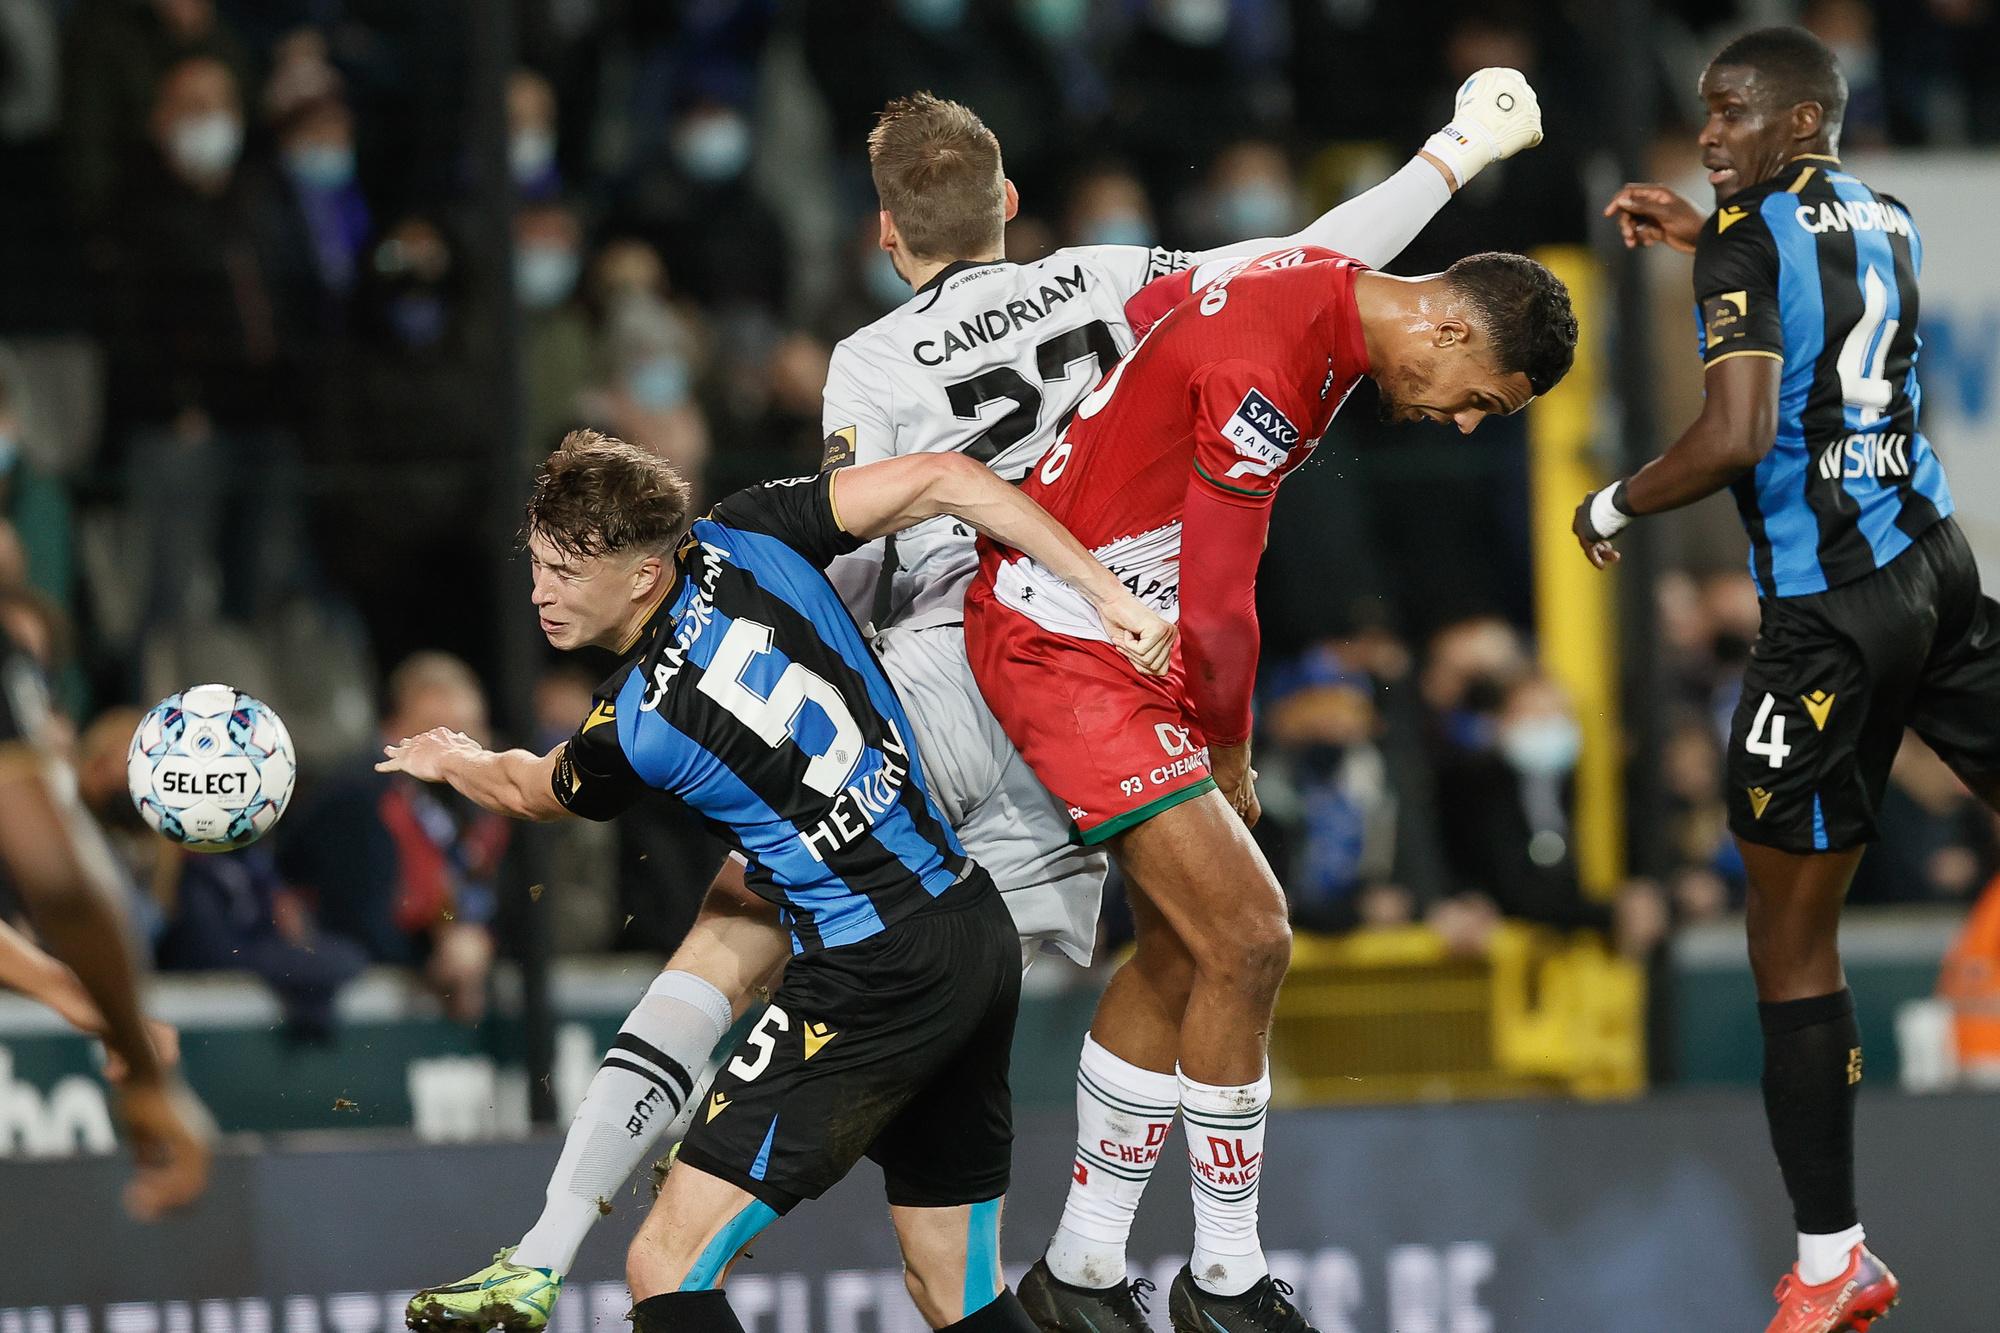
{"type": "Point", "coordinates": [211, 768]}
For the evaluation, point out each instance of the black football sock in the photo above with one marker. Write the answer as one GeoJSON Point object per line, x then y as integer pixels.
{"type": "Point", "coordinates": [1812, 1065]}
{"type": "Point", "coordinates": [685, 1312]}
{"type": "Point", "coordinates": [1002, 1314]}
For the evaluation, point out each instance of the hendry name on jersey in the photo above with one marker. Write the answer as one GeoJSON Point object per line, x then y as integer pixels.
{"type": "Point", "coordinates": [857, 808]}
{"type": "Point", "coordinates": [992, 325]}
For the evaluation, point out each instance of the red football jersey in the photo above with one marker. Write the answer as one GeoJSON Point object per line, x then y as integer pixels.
{"type": "Point", "coordinates": [1229, 389]}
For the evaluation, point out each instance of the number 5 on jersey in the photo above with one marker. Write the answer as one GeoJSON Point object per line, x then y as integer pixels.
{"type": "Point", "coordinates": [774, 717]}
{"type": "Point", "coordinates": [762, 1039]}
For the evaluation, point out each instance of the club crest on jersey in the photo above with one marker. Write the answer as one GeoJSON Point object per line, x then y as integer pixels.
{"type": "Point", "coordinates": [1263, 436]}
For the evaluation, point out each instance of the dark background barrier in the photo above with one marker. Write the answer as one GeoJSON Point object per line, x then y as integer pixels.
{"type": "Point", "coordinates": [1634, 1218]}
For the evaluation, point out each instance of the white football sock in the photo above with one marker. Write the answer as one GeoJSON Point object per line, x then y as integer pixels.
{"type": "Point", "coordinates": [1824, 1258]}
{"type": "Point", "coordinates": [1225, 1135]}
{"type": "Point", "coordinates": [638, 1090]}
{"type": "Point", "coordinates": [1123, 1115]}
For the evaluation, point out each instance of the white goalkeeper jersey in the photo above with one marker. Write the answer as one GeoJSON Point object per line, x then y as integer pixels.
{"type": "Point", "coordinates": [988, 360]}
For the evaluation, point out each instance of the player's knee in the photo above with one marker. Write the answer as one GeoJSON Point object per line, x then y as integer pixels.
{"type": "Point", "coordinates": [649, 1269]}
{"type": "Point", "coordinates": [1793, 953]}
{"type": "Point", "coordinates": [1250, 955]}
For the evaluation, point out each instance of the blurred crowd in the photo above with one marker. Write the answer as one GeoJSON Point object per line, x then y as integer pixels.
{"type": "Point", "coordinates": [255, 342]}
{"type": "Point", "coordinates": [1373, 755]}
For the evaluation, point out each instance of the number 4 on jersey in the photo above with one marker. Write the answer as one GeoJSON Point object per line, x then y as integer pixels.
{"type": "Point", "coordinates": [1773, 746]}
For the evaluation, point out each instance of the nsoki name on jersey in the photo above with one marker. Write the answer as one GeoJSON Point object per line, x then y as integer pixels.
{"type": "Point", "coordinates": [1866, 454]}
{"type": "Point", "coordinates": [1263, 437]}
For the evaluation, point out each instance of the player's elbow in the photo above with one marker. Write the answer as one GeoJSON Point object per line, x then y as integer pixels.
{"type": "Point", "coordinates": [948, 482]}
{"type": "Point", "coordinates": [1743, 435]}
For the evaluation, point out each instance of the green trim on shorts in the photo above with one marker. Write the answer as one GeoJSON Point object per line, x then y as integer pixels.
{"type": "Point", "coordinates": [1112, 827]}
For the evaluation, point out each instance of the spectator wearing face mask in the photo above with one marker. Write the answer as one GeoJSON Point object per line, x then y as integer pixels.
{"type": "Point", "coordinates": [116, 52]}
{"type": "Point", "coordinates": [1470, 666]}
{"type": "Point", "coordinates": [214, 331]}
{"type": "Point", "coordinates": [314, 129]}
{"type": "Point", "coordinates": [558, 349]}
{"type": "Point", "coordinates": [1249, 192]}
{"type": "Point", "coordinates": [531, 137]}
{"type": "Point", "coordinates": [407, 382]}
{"type": "Point", "coordinates": [1506, 810]}
{"type": "Point", "coordinates": [650, 358]}
{"type": "Point", "coordinates": [701, 210]}
{"type": "Point", "coordinates": [1108, 206]}
{"type": "Point", "coordinates": [211, 293]}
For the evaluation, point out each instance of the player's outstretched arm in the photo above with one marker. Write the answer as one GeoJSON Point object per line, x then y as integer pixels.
{"type": "Point", "coordinates": [60, 866]}
{"type": "Point", "coordinates": [1738, 422]}
{"type": "Point", "coordinates": [516, 783]}
{"type": "Point", "coordinates": [33, 973]}
{"type": "Point", "coordinates": [897, 493]}
{"type": "Point", "coordinates": [44, 979]}
{"type": "Point", "coordinates": [1495, 116]}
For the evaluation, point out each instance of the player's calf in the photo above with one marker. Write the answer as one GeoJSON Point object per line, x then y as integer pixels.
{"type": "Point", "coordinates": [951, 1258]}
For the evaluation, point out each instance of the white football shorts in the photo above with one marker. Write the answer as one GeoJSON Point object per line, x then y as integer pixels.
{"type": "Point", "coordinates": [1005, 818]}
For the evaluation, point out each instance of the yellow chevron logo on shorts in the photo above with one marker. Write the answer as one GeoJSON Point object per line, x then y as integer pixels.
{"type": "Point", "coordinates": [717, 1104]}
{"type": "Point", "coordinates": [817, 1035]}
{"type": "Point", "coordinates": [1818, 704]}
{"type": "Point", "coordinates": [1759, 798]}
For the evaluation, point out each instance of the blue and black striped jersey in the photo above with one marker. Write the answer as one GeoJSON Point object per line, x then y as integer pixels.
{"type": "Point", "coordinates": [1817, 270]}
{"type": "Point", "coordinates": [752, 696]}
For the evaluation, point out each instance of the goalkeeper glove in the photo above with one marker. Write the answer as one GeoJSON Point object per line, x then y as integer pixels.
{"type": "Point", "coordinates": [1496, 116]}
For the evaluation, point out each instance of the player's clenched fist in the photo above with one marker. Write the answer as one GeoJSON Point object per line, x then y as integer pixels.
{"type": "Point", "coordinates": [1139, 632]}
{"type": "Point", "coordinates": [1495, 116]}
{"type": "Point", "coordinates": [1651, 214]}
{"type": "Point", "coordinates": [1229, 765]}
{"type": "Point", "coordinates": [1602, 516]}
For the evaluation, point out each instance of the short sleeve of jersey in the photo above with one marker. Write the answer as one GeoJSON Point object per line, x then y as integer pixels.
{"type": "Point", "coordinates": [594, 777]}
{"type": "Point", "coordinates": [1131, 267]}
{"type": "Point", "coordinates": [798, 511]}
{"type": "Point", "coordinates": [1245, 429]}
{"type": "Point", "coordinates": [1736, 285]}
{"type": "Point", "coordinates": [853, 413]}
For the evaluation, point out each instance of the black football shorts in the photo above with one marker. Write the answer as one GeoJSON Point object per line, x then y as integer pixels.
{"type": "Point", "coordinates": [895, 1047]}
{"type": "Point", "coordinates": [1836, 676]}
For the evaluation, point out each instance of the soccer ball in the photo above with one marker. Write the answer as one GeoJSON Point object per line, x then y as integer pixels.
{"type": "Point", "coordinates": [211, 769]}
